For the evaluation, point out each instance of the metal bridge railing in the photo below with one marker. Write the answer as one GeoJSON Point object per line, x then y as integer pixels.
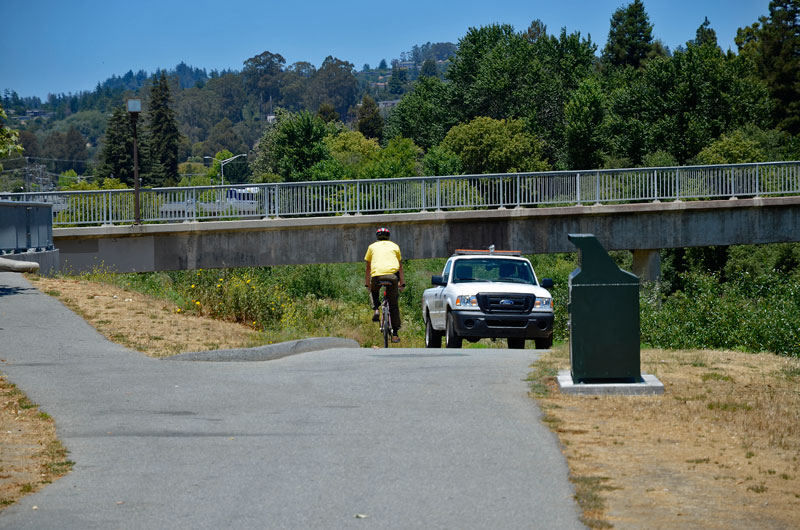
{"type": "Point", "coordinates": [75, 208]}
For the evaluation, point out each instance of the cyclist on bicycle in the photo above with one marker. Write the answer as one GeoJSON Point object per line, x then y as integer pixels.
{"type": "Point", "coordinates": [384, 265]}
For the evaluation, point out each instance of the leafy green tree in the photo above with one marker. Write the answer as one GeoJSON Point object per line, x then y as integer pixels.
{"type": "Point", "coordinates": [30, 143]}
{"type": "Point", "coordinates": [351, 151]}
{"type": "Point", "coordinates": [501, 74]}
{"type": "Point", "coordinates": [733, 148]}
{"type": "Point", "coordinates": [223, 137]}
{"type": "Point", "coordinates": [327, 113]}
{"type": "Point", "coordinates": [773, 44]}
{"type": "Point", "coordinates": [368, 118]}
{"type": "Point", "coordinates": [486, 145]}
{"type": "Point", "coordinates": [630, 38]}
{"type": "Point", "coordinates": [382, 65]}
{"type": "Point", "coordinates": [54, 151]}
{"type": "Point", "coordinates": [75, 150]}
{"type": "Point", "coordinates": [291, 147]}
{"type": "Point", "coordinates": [164, 137]}
{"type": "Point", "coordinates": [295, 83]}
{"type": "Point", "coordinates": [659, 159]}
{"type": "Point", "coordinates": [493, 72]}
{"type": "Point", "coordinates": [428, 69]}
{"type": "Point", "coordinates": [334, 83]}
{"type": "Point", "coordinates": [680, 104]}
{"type": "Point", "coordinates": [565, 62]}
{"type": "Point", "coordinates": [117, 148]}
{"type": "Point", "coordinates": [584, 115]}
{"type": "Point", "coordinates": [400, 158]}
{"type": "Point", "coordinates": [262, 76]}
{"type": "Point", "coordinates": [9, 138]}
{"type": "Point", "coordinates": [425, 114]}
{"type": "Point", "coordinates": [438, 161]}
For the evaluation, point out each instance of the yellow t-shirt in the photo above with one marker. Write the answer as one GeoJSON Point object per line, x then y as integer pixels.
{"type": "Point", "coordinates": [383, 257]}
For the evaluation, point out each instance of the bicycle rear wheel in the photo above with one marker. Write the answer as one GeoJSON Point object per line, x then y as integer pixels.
{"type": "Point", "coordinates": [386, 325]}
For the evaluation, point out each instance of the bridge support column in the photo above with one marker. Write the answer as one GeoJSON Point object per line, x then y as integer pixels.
{"type": "Point", "coordinates": [647, 265]}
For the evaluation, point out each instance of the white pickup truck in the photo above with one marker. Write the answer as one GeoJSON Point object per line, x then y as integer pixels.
{"type": "Point", "coordinates": [488, 294]}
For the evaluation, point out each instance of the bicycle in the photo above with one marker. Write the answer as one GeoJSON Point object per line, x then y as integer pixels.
{"type": "Point", "coordinates": [386, 316]}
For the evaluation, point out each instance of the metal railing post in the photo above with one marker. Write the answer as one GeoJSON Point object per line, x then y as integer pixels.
{"type": "Point", "coordinates": [578, 187]}
{"type": "Point", "coordinates": [758, 167]}
{"type": "Point", "coordinates": [438, 194]}
{"type": "Point", "coordinates": [597, 187]}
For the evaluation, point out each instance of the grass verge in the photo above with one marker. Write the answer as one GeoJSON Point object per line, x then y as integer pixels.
{"type": "Point", "coordinates": [720, 449]}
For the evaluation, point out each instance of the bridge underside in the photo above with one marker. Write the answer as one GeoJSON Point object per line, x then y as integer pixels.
{"type": "Point", "coordinates": [637, 227]}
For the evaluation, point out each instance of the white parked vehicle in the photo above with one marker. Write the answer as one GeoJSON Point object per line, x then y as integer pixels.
{"type": "Point", "coordinates": [488, 294]}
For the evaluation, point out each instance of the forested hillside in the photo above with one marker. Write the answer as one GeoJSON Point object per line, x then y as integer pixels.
{"type": "Point", "coordinates": [499, 100]}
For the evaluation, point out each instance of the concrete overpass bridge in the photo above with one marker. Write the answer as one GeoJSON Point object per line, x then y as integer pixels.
{"type": "Point", "coordinates": [640, 209]}
{"type": "Point", "coordinates": [642, 228]}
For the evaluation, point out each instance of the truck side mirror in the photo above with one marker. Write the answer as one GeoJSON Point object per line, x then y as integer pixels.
{"type": "Point", "coordinates": [438, 280]}
{"type": "Point", "coordinates": [547, 283]}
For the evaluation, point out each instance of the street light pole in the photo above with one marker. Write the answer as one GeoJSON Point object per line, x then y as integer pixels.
{"type": "Point", "coordinates": [134, 108]}
{"type": "Point", "coordinates": [222, 164]}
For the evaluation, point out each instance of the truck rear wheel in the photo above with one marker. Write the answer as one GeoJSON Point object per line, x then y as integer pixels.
{"type": "Point", "coordinates": [544, 344]}
{"type": "Point", "coordinates": [433, 338]}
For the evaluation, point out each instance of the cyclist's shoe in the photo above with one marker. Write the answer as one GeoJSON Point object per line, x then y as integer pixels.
{"type": "Point", "coordinates": [395, 339]}
{"type": "Point", "coordinates": [376, 316]}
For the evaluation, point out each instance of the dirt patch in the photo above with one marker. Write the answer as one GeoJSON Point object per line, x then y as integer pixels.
{"type": "Point", "coordinates": [720, 449]}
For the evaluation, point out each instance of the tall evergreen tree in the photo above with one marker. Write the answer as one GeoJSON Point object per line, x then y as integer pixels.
{"type": "Point", "coordinates": [630, 38]}
{"type": "Point", "coordinates": [705, 34]}
{"type": "Point", "coordinates": [369, 121]}
{"type": "Point", "coordinates": [164, 137]}
{"type": "Point", "coordinates": [774, 45]}
{"type": "Point", "coordinates": [117, 151]}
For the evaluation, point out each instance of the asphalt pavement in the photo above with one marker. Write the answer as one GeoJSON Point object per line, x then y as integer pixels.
{"type": "Point", "coordinates": [339, 438]}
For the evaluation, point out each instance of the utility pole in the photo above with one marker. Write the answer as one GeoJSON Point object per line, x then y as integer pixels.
{"type": "Point", "coordinates": [134, 108]}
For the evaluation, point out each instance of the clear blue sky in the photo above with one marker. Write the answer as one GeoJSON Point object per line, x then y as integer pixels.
{"type": "Point", "coordinates": [61, 47]}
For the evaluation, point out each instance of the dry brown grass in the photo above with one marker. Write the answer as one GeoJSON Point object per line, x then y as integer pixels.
{"type": "Point", "coordinates": [720, 449]}
{"type": "Point", "coordinates": [30, 454]}
{"type": "Point", "coordinates": [144, 323]}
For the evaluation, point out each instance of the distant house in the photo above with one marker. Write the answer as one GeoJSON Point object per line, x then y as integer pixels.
{"type": "Point", "coordinates": [406, 65]}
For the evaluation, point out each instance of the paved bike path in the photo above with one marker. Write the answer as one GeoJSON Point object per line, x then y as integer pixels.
{"type": "Point", "coordinates": [408, 438]}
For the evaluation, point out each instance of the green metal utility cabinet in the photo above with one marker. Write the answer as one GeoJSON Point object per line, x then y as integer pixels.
{"type": "Point", "coordinates": [603, 317]}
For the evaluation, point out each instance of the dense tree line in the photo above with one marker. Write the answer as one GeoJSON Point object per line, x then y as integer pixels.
{"type": "Point", "coordinates": [507, 100]}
